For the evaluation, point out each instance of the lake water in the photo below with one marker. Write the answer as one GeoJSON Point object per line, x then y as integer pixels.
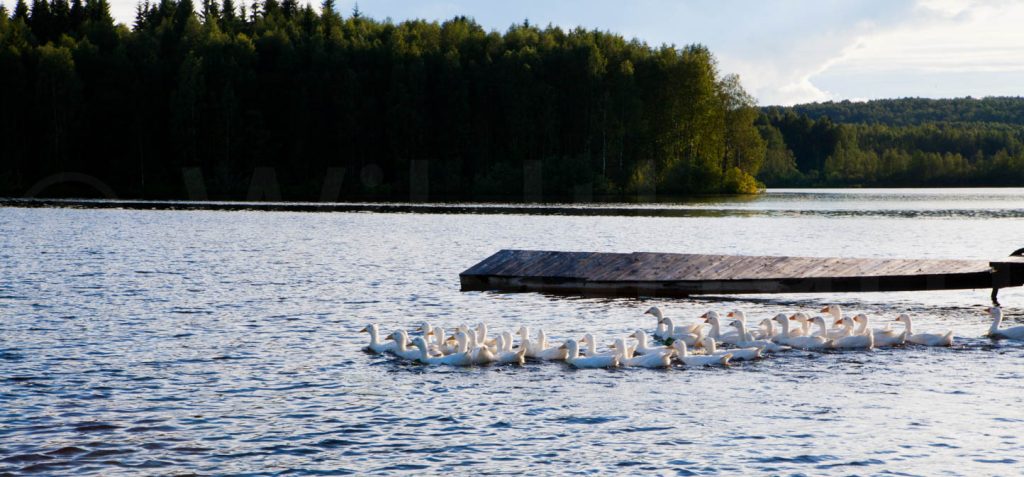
{"type": "Point", "coordinates": [171, 342]}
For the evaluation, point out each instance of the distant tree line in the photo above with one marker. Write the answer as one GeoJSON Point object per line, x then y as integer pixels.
{"type": "Point", "coordinates": [221, 90]}
{"type": "Point", "coordinates": [899, 142]}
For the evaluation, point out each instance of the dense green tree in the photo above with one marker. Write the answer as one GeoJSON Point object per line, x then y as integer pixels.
{"type": "Point", "coordinates": [907, 142]}
{"type": "Point", "coordinates": [545, 112]}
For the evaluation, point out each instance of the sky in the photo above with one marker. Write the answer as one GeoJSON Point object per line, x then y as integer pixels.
{"type": "Point", "coordinates": [786, 52]}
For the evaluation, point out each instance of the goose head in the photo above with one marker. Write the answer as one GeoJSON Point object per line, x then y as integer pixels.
{"type": "Point", "coordinates": [655, 311]}
{"type": "Point", "coordinates": [420, 343]}
{"type": "Point", "coordinates": [709, 315]}
{"type": "Point", "coordinates": [715, 321]}
{"type": "Point", "coordinates": [783, 321]}
{"type": "Point", "coordinates": [424, 328]}
{"type": "Point", "coordinates": [861, 320]}
{"type": "Point", "coordinates": [573, 348]}
{"type": "Point", "coordinates": [820, 321]}
{"type": "Point", "coordinates": [620, 346]}
{"type": "Point", "coordinates": [507, 335]}
{"type": "Point", "coordinates": [835, 310]}
{"type": "Point", "coordinates": [738, 314]}
{"type": "Point", "coordinates": [846, 322]}
{"type": "Point", "coordinates": [710, 345]}
{"type": "Point", "coordinates": [640, 336]}
{"type": "Point", "coordinates": [524, 332]}
{"type": "Point", "coordinates": [463, 341]}
{"type": "Point", "coordinates": [997, 317]}
{"type": "Point", "coordinates": [905, 319]}
{"type": "Point", "coordinates": [401, 338]}
{"type": "Point", "coordinates": [680, 347]}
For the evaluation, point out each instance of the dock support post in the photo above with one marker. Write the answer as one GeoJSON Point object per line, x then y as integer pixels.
{"type": "Point", "coordinates": [995, 296]}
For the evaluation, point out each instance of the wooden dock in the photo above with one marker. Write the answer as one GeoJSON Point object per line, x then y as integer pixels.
{"type": "Point", "coordinates": [680, 275]}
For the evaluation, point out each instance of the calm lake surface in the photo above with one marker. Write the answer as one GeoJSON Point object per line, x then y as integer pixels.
{"type": "Point", "coordinates": [207, 342]}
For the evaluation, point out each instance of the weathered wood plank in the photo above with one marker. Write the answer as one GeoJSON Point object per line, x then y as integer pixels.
{"type": "Point", "coordinates": [668, 274]}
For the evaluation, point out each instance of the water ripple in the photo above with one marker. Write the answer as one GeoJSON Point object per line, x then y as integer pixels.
{"type": "Point", "coordinates": [202, 342]}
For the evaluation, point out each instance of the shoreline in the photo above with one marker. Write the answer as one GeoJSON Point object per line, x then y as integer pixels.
{"type": "Point", "coordinates": [705, 208]}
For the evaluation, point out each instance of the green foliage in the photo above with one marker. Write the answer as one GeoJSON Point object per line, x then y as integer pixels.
{"type": "Point", "coordinates": [231, 86]}
{"type": "Point", "coordinates": [906, 142]}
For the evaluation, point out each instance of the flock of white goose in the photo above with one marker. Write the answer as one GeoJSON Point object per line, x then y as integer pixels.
{"type": "Point", "coordinates": [691, 344]}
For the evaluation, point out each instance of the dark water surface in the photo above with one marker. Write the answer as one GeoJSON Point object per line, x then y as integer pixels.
{"type": "Point", "coordinates": [209, 342]}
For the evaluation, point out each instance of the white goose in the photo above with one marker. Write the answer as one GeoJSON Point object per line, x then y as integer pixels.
{"type": "Point", "coordinates": [401, 339]}
{"type": "Point", "coordinates": [482, 354]}
{"type": "Point", "coordinates": [926, 339]}
{"type": "Point", "coordinates": [572, 349]}
{"type": "Point", "coordinates": [554, 353]}
{"type": "Point", "coordinates": [444, 343]}
{"type": "Point", "coordinates": [1015, 333]}
{"type": "Point", "coordinates": [750, 342]}
{"type": "Point", "coordinates": [740, 354]}
{"type": "Point", "coordinates": [678, 334]}
{"type": "Point", "coordinates": [805, 324]}
{"type": "Point", "coordinates": [853, 341]}
{"type": "Point", "coordinates": [799, 342]}
{"type": "Point", "coordinates": [825, 332]}
{"type": "Point", "coordinates": [481, 336]}
{"type": "Point", "coordinates": [591, 346]}
{"type": "Point", "coordinates": [535, 346]}
{"type": "Point", "coordinates": [883, 338]}
{"type": "Point", "coordinates": [696, 361]}
{"type": "Point", "coordinates": [455, 359]}
{"type": "Point", "coordinates": [658, 359]}
{"type": "Point", "coordinates": [376, 345]}
{"type": "Point", "coordinates": [505, 355]}
{"type": "Point", "coordinates": [642, 346]}
{"type": "Point", "coordinates": [836, 312]}
{"type": "Point", "coordinates": [765, 331]}
{"type": "Point", "coordinates": [659, 330]}
{"type": "Point", "coordinates": [716, 326]}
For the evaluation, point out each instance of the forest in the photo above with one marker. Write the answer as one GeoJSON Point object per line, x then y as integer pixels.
{"type": "Point", "coordinates": [910, 142]}
{"type": "Point", "coordinates": [276, 100]}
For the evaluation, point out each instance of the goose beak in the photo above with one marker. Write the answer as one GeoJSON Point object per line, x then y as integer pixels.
{"type": "Point", "coordinates": [563, 347]}
{"type": "Point", "coordinates": [391, 338]}
{"type": "Point", "coordinates": [792, 318]}
{"type": "Point", "coordinates": [632, 335]}
{"type": "Point", "coordinates": [365, 329]}
{"type": "Point", "coordinates": [838, 322]}
{"type": "Point", "coordinates": [988, 310]}
{"type": "Point", "coordinates": [824, 309]}
{"type": "Point", "coordinates": [705, 315]}
{"type": "Point", "coordinates": [731, 314]}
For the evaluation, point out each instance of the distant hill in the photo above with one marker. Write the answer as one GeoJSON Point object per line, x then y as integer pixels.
{"type": "Point", "coordinates": [908, 142]}
{"type": "Point", "coordinates": [914, 111]}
